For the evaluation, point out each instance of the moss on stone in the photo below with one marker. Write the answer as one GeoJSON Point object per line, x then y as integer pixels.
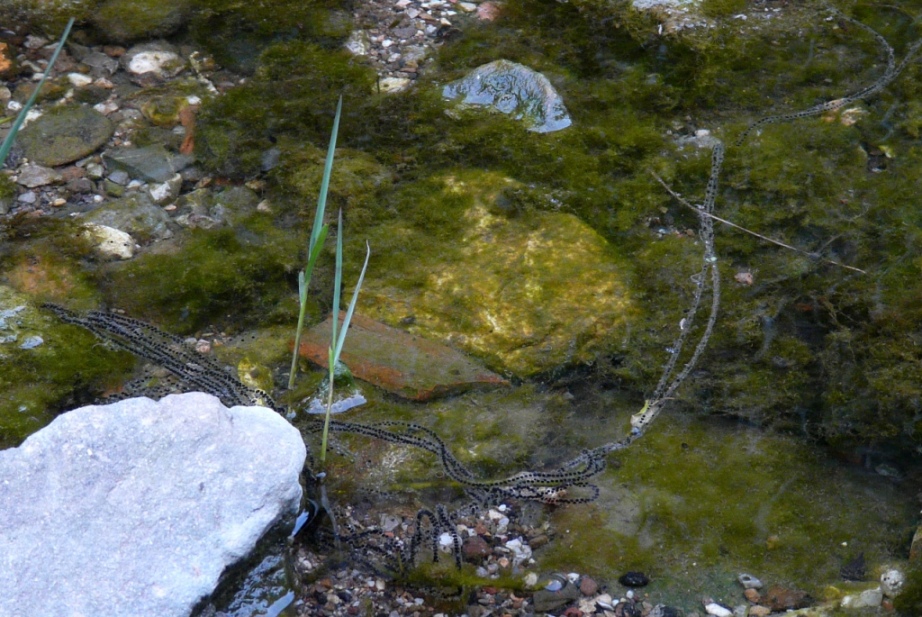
{"type": "Point", "coordinates": [241, 276]}
{"type": "Point", "coordinates": [293, 93]}
{"type": "Point", "coordinates": [236, 33]}
{"type": "Point", "coordinates": [66, 368]}
{"type": "Point", "coordinates": [124, 21]}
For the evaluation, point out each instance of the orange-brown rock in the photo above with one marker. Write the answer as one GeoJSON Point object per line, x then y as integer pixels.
{"type": "Point", "coordinates": [405, 364]}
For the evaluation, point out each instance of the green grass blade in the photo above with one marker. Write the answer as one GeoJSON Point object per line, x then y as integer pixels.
{"type": "Point", "coordinates": [315, 254]}
{"type": "Point", "coordinates": [318, 235]}
{"type": "Point", "coordinates": [11, 137]}
{"type": "Point", "coordinates": [325, 182]}
{"type": "Point", "coordinates": [351, 309]}
{"type": "Point", "coordinates": [337, 283]}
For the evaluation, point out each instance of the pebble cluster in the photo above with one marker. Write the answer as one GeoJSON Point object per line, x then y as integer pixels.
{"type": "Point", "coordinates": [402, 33]}
{"type": "Point", "coordinates": [119, 84]}
{"type": "Point", "coordinates": [496, 545]}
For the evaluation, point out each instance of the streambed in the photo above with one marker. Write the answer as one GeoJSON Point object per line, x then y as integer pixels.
{"type": "Point", "coordinates": [814, 363]}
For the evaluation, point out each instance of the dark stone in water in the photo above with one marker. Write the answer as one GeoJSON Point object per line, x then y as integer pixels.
{"type": "Point", "coordinates": [664, 611]}
{"type": "Point", "coordinates": [627, 609]}
{"type": "Point", "coordinates": [854, 570]}
{"type": "Point", "coordinates": [546, 601]}
{"type": "Point", "coordinates": [65, 134]}
{"type": "Point", "coordinates": [634, 579]}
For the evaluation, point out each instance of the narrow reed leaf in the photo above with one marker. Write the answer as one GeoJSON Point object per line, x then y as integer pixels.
{"type": "Point", "coordinates": [351, 309]}
{"type": "Point", "coordinates": [337, 281]}
{"type": "Point", "coordinates": [318, 236]}
{"type": "Point", "coordinates": [325, 182]}
{"type": "Point", "coordinates": [11, 137]}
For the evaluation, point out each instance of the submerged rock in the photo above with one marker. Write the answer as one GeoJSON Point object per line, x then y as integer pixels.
{"type": "Point", "coordinates": [514, 89]}
{"type": "Point", "coordinates": [526, 293]}
{"type": "Point", "coordinates": [407, 365]}
{"type": "Point", "coordinates": [65, 134]}
{"type": "Point", "coordinates": [151, 163]}
{"type": "Point", "coordinates": [129, 20]}
{"type": "Point", "coordinates": [109, 242]}
{"type": "Point", "coordinates": [136, 508]}
{"type": "Point", "coordinates": [134, 214]}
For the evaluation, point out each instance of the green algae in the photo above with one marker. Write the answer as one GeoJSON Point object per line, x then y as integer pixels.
{"type": "Point", "coordinates": [291, 94]}
{"type": "Point", "coordinates": [126, 21]}
{"type": "Point", "coordinates": [808, 183]}
{"type": "Point", "coordinates": [65, 369]}
{"type": "Point", "coordinates": [512, 290]}
{"type": "Point", "coordinates": [241, 276]}
{"type": "Point", "coordinates": [235, 33]}
{"type": "Point", "coordinates": [696, 502]}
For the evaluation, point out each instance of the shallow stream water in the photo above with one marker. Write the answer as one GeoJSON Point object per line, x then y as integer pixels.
{"type": "Point", "coordinates": [790, 450]}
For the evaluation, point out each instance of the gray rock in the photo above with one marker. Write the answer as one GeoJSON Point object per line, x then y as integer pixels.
{"type": "Point", "coordinates": [136, 508]}
{"type": "Point", "coordinates": [120, 176]}
{"type": "Point", "coordinates": [892, 582]}
{"type": "Point", "coordinates": [514, 89]}
{"type": "Point", "coordinates": [151, 163]}
{"type": "Point", "coordinates": [65, 134]}
{"type": "Point", "coordinates": [101, 64]}
{"type": "Point", "coordinates": [206, 209]}
{"type": "Point", "coordinates": [36, 175]}
{"type": "Point", "coordinates": [546, 600]}
{"type": "Point", "coordinates": [165, 192]}
{"type": "Point", "coordinates": [748, 581]}
{"type": "Point", "coordinates": [29, 197]}
{"type": "Point", "coordinates": [135, 214]}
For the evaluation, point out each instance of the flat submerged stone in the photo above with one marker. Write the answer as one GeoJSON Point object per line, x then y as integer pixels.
{"type": "Point", "coordinates": [65, 134]}
{"type": "Point", "coordinates": [136, 508]}
{"type": "Point", "coordinates": [401, 363]}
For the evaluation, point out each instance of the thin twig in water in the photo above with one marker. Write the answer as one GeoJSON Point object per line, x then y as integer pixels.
{"type": "Point", "coordinates": [685, 203]}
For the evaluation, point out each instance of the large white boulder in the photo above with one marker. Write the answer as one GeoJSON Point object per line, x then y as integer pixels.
{"type": "Point", "coordinates": [136, 508]}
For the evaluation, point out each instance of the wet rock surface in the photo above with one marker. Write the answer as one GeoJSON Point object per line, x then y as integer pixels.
{"type": "Point", "coordinates": [514, 89]}
{"type": "Point", "coordinates": [405, 364]}
{"type": "Point", "coordinates": [525, 284]}
{"type": "Point", "coordinates": [64, 135]}
{"type": "Point", "coordinates": [138, 507]}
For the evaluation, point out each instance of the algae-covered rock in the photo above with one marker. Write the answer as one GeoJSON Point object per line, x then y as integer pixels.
{"type": "Point", "coordinates": [525, 293]}
{"type": "Point", "coordinates": [135, 214]}
{"type": "Point", "coordinates": [356, 176]}
{"type": "Point", "coordinates": [123, 21]}
{"type": "Point", "coordinates": [236, 33]}
{"type": "Point", "coordinates": [48, 16]}
{"type": "Point", "coordinates": [512, 88]}
{"type": "Point", "coordinates": [244, 275]}
{"type": "Point", "coordinates": [64, 134]}
{"type": "Point", "coordinates": [44, 366]}
{"type": "Point", "coordinates": [207, 209]}
{"type": "Point", "coordinates": [292, 96]}
{"type": "Point", "coordinates": [163, 105]}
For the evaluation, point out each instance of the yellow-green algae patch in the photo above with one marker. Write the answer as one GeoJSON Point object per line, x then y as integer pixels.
{"type": "Point", "coordinates": [696, 502]}
{"type": "Point", "coordinates": [525, 291]}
